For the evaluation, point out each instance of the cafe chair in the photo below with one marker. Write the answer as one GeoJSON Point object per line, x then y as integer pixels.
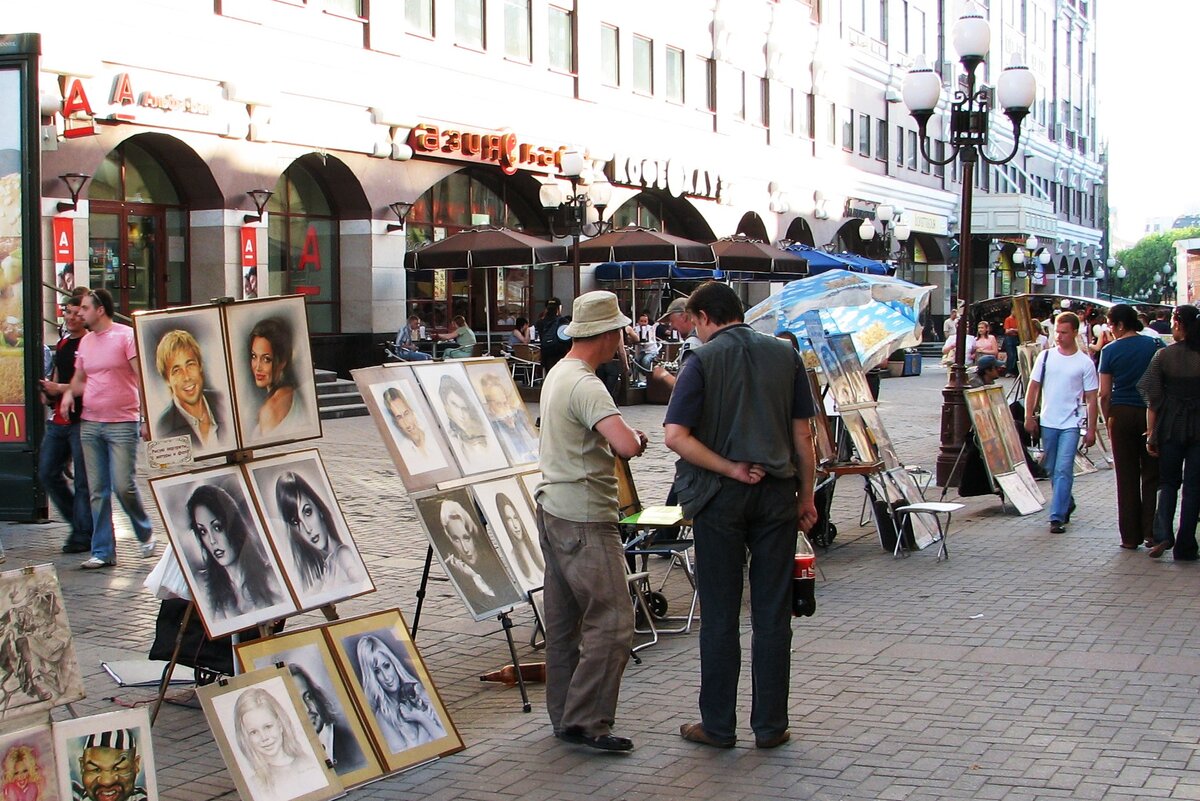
{"type": "Point", "coordinates": [524, 362]}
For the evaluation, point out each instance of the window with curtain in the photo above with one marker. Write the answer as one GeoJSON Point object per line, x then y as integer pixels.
{"type": "Point", "coordinates": [560, 37]}
{"type": "Point", "coordinates": [468, 23]}
{"type": "Point", "coordinates": [302, 256]}
{"type": "Point", "coordinates": [516, 30]}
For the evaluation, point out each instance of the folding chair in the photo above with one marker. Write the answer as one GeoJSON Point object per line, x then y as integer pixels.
{"type": "Point", "coordinates": [934, 510]}
{"type": "Point", "coordinates": [639, 543]}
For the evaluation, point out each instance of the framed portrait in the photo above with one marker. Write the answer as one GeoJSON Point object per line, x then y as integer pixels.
{"type": "Point", "coordinates": [822, 431]}
{"type": "Point", "coordinates": [869, 415]}
{"type": "Point", "coordinates": [323, 693]}
{"type": "Point", "coordinates": [505, 410]}
{"type": "Point", "coordinates": [392, 688]}
{"type": "Point", "coordinates": [95, 752]}
{"type": "Point", "coordinates": [461, 417]}
{"type": "Point", "coordinates": [185, 378]}
{"type": "Point", "coordinates": [986, 432]}
{"type": "Point", "coordinates": [274, 390]}
{"type": "Point", "coordinates": [407, 426]}
{"type": "Point", "coordinates": [466, 554]}
{"type": "Point", "coordinates": [37, 654]}
{"type": "Point", "coordinates": [262, 730]}
{"type": "Point", "coordinates": [27, 769]}
{"type": "Point", "coordinates": [222, 548]}
{"type": "Point", "coordinates": [306, 526]}
{"type": "Point", "coordinates": [510, 517]}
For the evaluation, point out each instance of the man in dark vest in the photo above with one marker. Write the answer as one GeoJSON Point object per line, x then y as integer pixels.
{"type": "Point", "coordinates": [738, 418]}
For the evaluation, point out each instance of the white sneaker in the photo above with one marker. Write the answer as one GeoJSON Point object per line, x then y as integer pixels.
{"type": "Point", "coordinates": [147, 548]}
{"type": "Point", "coordinates": [96, 563]}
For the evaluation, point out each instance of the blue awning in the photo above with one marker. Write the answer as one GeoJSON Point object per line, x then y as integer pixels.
{"type": "Point", "coordinates": [819, 261]}
{"type": "Point", "coordinates": [647, 270]}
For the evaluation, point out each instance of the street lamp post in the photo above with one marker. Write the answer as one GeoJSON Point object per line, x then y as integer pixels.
{"type": "Point", "coordinates": [894, 230]}
{"type": "Point", "coordinates": [969, 124]}
{"type": "Point", "coordinates": [1035, 255]}
{"type": "Point", "coordinates": [570, 212]}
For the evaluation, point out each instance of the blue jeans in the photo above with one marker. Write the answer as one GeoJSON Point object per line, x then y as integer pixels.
{"type": "Point", "coordinates": [1060, 445]}
{"type": "Point", "coordinates": [413, 355]}
{"type": "Point", "coordinates": [110, 453]}
{"type": "Point", "coordinates": [1178, 464]}
{"type": "Point", "coordinates": [60, 445]}
{"type": "Point", "coordinates": [761, 519]}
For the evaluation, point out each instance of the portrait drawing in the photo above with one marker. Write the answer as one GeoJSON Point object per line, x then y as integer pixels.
{"type": "Point", "coordinates": [505, 410]}
{"type": "Point", "coordinates": [510, 517]}
{"type": "Point", "coordinates": [461, 417]}
{"type": "Point", "coordinates": [106, 757]}
{"type": "Point", "coordinates": [27, 771]}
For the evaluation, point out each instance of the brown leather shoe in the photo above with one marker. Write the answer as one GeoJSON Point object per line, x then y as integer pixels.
{"type": "Point", "coordinates": [695, 733]}
{"type": "Point", "coordinates": [773, 742]}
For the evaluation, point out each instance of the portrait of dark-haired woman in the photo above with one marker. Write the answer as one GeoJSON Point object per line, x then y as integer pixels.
{"type": "Point", "coordinates": [271, 354]}
{"type": "Point", "coordinates": [234, 567]}
{"type": "Point", "coordinates": [322, 559]}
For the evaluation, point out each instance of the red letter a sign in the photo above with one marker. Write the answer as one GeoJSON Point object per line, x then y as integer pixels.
{"type": "Point", "coordinates": [311, 255]}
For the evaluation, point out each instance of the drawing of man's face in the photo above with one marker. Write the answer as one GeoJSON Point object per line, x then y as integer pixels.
{"type": "Point", "coordinates": [404, 418]}
{"type": "Point", "coordinates": [108, 774]}
{"type": "Point", "coordinates": [185, 376]}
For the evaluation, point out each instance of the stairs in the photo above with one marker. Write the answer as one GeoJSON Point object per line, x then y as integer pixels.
{"type": "Point", "coordinates": [930, 350]}
{"type": "Point", "coordinates": [337, 397]}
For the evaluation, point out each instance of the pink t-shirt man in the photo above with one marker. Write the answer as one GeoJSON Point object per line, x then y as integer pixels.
{"type": "Point", "coordinates": [112, 384]}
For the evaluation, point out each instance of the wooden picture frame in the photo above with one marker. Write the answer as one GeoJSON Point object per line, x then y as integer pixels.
{"type": "Point", "coordinates": [469, 558]}
{"type": "Point", "coordinates": [308, 531]}
{"type": "Point", "coordinates": [529, 482]}
{"type": "Point", "coordinates": [510, 517]}
{"type": "Point", "coordinates": [409, 722]}
{"type": "Point", "coordinates": [226, 557]}
{"type": "Point", "coordinates": [275, 396]}
{"type": "Point", "coordinates": [823, 442]}
{"type": "Point", "coordinates": [461, 417]}
{"type": "Point", "coordinates": [91, 750]}
{"type": "Point", "coordinates": [505, 411]}
{"type": "Point", "coordinates": [322, 690]}
{"type": "Point", "coordinates": [29, 752]}
{"type": "Point", "coordinates": [407, 426]}
{"type": "Point", "coordinates": [289, 764]}
{"type": "Point", "coordinates": [38, 658]}
{"type": "Point", "coordinates": [185, 378]}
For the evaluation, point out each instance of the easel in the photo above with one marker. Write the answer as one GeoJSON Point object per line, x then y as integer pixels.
{"type": "Point", "coordinates": [505, 623]}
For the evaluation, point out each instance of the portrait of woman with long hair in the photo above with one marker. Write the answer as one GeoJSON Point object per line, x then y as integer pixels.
{"type": "Point", "coordinates": [234, 567]}
{"type": "Point", "coordinates": [322, 559]}
{"type": "Point", "coordinates": [271, 357]}
{"type": "Point", "coordinates": [396, 697]}
{"type": "Point", "coordinates": [525, 556]}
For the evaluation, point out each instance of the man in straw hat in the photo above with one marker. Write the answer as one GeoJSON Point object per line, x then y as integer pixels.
{"type": "Point", "coordinates": [738, 419]}
{"type": "Point", "coordinates": [589, 625]}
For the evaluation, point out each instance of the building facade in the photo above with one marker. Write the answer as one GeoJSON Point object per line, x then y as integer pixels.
{"type": "Point", "coordinates": [776, 118]}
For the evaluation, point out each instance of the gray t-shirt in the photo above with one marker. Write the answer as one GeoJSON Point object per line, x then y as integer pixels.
{"type": "Point", "coordinates": [578, 482]}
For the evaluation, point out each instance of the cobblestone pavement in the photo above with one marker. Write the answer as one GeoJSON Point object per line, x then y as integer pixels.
{"type": "Point", "coordinates": [1029, 666]}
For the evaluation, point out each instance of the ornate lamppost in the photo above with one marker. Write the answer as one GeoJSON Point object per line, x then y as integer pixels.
{"type": "Point", "coordinates": [969, 125]}
{"type": "Point", "coordinates": [568, 216]}
{"type": "Point", "coordinates": [894, 230]}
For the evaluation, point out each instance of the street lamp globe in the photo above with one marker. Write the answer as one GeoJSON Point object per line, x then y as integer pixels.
{"type": "Point", "coordinates": [866, 231]}
{"type": "Point", "coordinates": [1018, 256]}
{"type": "Point", "coordinates": [1100, 273]}
{"type": "Point", "coordinates": [922, 89]}
{"type": "Point", "coordinates": [1122, 273]}
{"type": "Point", "coordinates": [1112, 263]}
{"type": "Point", "coordinates": [1044, 257]}
{"type": "Point", "coordinates": [1016, 89]}
{"type": "Point", "coordinates": [972, 35]}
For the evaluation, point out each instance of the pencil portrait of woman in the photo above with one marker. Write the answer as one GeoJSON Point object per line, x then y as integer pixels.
{"type": "Point", "coordinates": [322, 559]}
{"type": "Point", "coordinates": [237, 576]}
{"type": "Point", "coordinates": [270, 350]}
{"type": "Point", "coordinates": [510, 519]}
{"type": "Point", "coordinates": [282, 763]}
{"type": "Point", "coordinates": [396, 697]}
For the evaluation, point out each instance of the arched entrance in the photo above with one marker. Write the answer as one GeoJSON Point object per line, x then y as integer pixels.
{"type": "Point", "coordinates": [753, 226]}
{"type": "Point", "coordinates": [801, 232]}
{"type": "Point", "coordinates": [473, 198]}
{"type": "Point", "coordinates": [138, 229]}
{"type": "Point", "coordinates": [654, 208]}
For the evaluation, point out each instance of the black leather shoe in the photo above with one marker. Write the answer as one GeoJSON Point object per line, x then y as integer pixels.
{"type": "Point", "coordinates": [605, 742]}
{"type": "Point", "coordinates": [72, 547]}
{"type": "Point", "coordinates": [1070, 511]}
{"type": "Point", "coordinates": [1056, 527]}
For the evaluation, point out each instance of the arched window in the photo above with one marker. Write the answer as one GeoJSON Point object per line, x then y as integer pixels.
{"type": "Point", "coordinates": [302, 255]}
{"type": "Point", "coordinates": [467, 199]}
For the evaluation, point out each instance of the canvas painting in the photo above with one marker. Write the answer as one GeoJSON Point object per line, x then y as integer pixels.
{"type": "Point", "coordinates": [466, 554]}
{"type": "Point", "coordinates": [862, 436]}
{"type": "Point", "coordinates": [306, 526]}
{"type": "Point", "coordinates": [271, 365]}
{"type": "Point", "coordinates": [27, 771]}
{"type": "Point", "coordinates": [461, 417]}
{"type": "Point", "coordinates": [262, 730]}
{"type": "Point", "coordinates": [38, 668]}
{"type": "Point", "coordinates": [852, 369]}
{"type": "Point", "coordinates": [986, 433]}
{"type": "Point", "coordinates": [822, 432]}
{"type": "Point", "coordinates": [505, 410]}
{"type": "Point", "coordinates": [510, 518]}
{"type": "Point", "coordinates": [393, 689]}
{"type": "Point", "coordinates": [106, 756]}
{"type": "Point", "coordinates": [407, 426]}
{"type": "Point", "coordinates": [323, 693]}
{"type": "Point", "coordinates": [185, 378]}
{"type": "Point", "coordinates": [222, 548]}
{"type": "Point", "coordinates": [835, 376]}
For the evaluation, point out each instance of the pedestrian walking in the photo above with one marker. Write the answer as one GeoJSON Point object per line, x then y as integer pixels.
{"type": "Point", "coordinates": [589, 615]}
{"type": "Point", "coordinates": [1064, 379]}
{"type": "Point", "coordinates": [111, 423]}
{"type": "Point", "coordinates": [739, 421]}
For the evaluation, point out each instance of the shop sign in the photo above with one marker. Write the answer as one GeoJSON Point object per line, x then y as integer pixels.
{"type": "Point", "coordinates": [146, 98]}
{"type": "Point", "coordinates": [63, 231]}
{"type": "Point", "coordinates": [670, 175]}
{"type": "Point", "coordinates": [501, 148]}
{"type": "Point", "coordinates": [249, 239]}
{"type": "Point", "coordinates": [925, 223]}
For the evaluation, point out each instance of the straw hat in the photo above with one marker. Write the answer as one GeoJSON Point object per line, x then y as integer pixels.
{"type": "Point", "coordinates": [595, 313]}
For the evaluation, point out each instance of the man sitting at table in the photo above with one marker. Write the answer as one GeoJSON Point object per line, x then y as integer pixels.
{"type": "Point", "coordinates": [464, 339]}
{"type": "Point", "coordinates": [406, 345]}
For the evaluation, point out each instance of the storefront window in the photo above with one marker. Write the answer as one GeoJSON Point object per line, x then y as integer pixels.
{"type": "Point", "coordinates": [303, 248]}
{"type": "Point", "coordinates": [464, 200]}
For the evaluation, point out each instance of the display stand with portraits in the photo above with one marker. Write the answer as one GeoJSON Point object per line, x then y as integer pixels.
{"type": "Point", "coordinates": [466, 449]}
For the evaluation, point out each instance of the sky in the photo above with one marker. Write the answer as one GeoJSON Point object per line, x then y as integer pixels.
{"type": "Point", "coordinates": [1149, 109]}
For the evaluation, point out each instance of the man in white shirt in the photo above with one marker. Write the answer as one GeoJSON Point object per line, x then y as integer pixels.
{"type": "Point", "coordinates": [1062, 377]}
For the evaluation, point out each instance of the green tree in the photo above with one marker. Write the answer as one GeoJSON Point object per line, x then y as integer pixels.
{"type": "Point", "coordinates": [1146, 259]}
